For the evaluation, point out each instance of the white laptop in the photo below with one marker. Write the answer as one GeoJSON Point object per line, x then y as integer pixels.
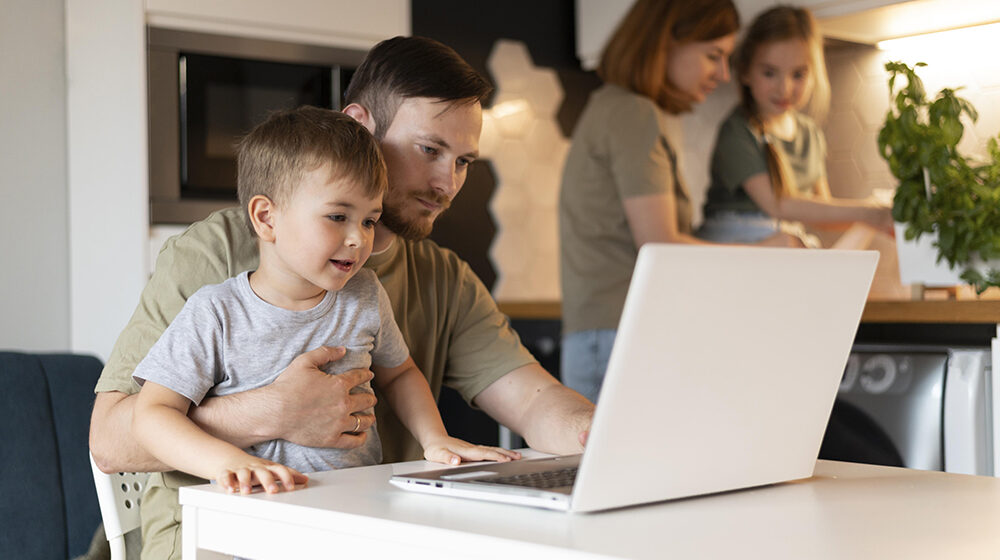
{"type": "Point", "coordinates": [722, 376]}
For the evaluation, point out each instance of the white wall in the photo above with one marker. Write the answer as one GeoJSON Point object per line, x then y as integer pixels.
{"type": "Point", "coordinates": [34, 254]}
{"type": "Point", "coordinates": [72, 155]}
{"type": "Point", "coordinates": [107, 135]}
{"type": "Point", "coordinates": [108, 192]}
{"type": "Point", "coordinates": [858, 81]}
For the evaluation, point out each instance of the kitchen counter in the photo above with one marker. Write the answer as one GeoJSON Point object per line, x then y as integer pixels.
{"type": "Point", "coordinates": [950, 311]}
{"type": "Point", "coordinates": [531, 309]}
{"type": "Point", "coordinates": [900, 311]}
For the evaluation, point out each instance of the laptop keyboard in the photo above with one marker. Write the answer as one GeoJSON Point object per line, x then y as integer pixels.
{"type": "Point", "coordinates": [544, 479]}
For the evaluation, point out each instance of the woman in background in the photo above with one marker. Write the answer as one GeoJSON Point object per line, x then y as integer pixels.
{"type": "Point", "coordinates": [621, 185]}
{"type": "Point", "coordinates": [768, 171]}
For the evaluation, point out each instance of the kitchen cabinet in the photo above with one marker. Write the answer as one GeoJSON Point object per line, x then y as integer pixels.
{"type": "Point", "coordinates": [340, 23]}
{"type": "Point", "coordinates": [883, 20]}
{"type": "Point", "coordinates": [860, 21]}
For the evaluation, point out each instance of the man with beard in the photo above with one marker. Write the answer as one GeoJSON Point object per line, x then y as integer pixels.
{"type": "Point", "coordinates": [422, 102]}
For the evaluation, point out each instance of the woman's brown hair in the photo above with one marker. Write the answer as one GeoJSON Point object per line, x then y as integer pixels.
{"type": "Point", "coordinates": [636, 56]}
{"type": "Point", "coordinates": [782, 23]}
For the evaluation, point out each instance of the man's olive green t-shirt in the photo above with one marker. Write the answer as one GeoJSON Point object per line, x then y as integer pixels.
{"type": "Point", "coordinates": [456, 334]}
{"type": "Point", "coordinates": [624, 146]}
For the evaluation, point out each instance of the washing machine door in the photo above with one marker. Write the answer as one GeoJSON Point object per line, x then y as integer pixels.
{"type": "Point", "coordinates": [889, 409]}
{"type": "Point", "coordinates": [851, 435]}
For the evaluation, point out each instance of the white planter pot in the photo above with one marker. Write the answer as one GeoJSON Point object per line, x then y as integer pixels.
{"type": "Point", "coordinates": [917, 261]}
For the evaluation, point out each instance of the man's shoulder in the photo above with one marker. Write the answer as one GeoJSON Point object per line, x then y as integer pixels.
{"type": "Point", "coordinates": [430, 256]}
{"type": "Point", "coordinates": [222, 238]}
{"type": "Point", "coordinates": [411, 268]}
{"type": "Point", "coordinates": [218, 299]}
{"type": "Point", "coordinates": [226, 225]}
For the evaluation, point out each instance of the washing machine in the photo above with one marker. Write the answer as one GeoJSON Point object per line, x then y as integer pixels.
{"type": "Point", "coordinates": [919, 407]}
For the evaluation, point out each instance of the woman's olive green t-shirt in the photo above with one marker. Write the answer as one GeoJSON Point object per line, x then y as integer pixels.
{"type": "Point", "coordinates": [624, 146]}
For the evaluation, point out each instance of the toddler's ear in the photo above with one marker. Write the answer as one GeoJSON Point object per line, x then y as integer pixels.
{"type": "Point", "coordinates": [261, 210]}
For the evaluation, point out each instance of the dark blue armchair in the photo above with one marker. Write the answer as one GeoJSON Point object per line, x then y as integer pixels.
{"type": "Point", "coordinates": [48, 504]}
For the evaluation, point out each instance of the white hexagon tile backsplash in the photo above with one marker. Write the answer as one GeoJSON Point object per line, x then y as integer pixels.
{"type": "Point", "coordinates": [527, 148]}
{"type": "Point", "coordinates": [860, 99]}
{"type": "Point", "coordinates": [523, 140]}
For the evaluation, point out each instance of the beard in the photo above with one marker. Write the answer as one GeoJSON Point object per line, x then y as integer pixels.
{"type": "Point", "coordinates": [418, 223]}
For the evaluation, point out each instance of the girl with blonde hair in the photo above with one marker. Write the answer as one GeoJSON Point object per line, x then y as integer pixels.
{"type": "Point", "coordinates": [768, 168]}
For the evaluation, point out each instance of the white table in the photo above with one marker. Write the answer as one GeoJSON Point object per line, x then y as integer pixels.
{"type": "Point", "coordinates": [845, 511]}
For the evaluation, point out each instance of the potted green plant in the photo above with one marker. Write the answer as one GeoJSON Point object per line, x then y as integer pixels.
{"type": "Point", "coordinates": [941, 192]}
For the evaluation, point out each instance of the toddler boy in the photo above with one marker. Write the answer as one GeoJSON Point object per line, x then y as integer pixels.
{"type": "Point", "coordinates": [311, 181]}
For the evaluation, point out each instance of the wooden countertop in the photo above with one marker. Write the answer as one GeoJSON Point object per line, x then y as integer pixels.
{"type": "Point", "coordinates": [902, 311]}
{"type": "Point", "coordinates": [531, 309]}
{"type": "Point", "coordinates": [945, 311]}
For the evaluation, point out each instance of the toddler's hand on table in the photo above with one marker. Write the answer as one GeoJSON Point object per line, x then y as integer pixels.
{"type": "Point", "coordinates": [242, 475]}
{"type": "Point", "coordinates": [452, 451]}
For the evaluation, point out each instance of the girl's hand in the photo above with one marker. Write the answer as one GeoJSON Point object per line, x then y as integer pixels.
{"type": "Point", "coordinates": [880, 217]}
{"type": "Point", "coordinates": [451, 451]}
{"type": "Point", "coordinates": [244, 473]}
{"type": "Point", "coordinates": [782, 239]}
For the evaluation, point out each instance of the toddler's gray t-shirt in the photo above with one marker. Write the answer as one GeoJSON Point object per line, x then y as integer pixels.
{"type": "Point", "coordinates": [227, 340]}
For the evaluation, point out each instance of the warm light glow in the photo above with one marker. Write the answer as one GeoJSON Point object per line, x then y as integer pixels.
{"type": "Point", "coordinates": [954, 42]}
{"type": "Point", "coordinates": [508, 108]}
{"type": "Point", "coordinates": [512, 118]}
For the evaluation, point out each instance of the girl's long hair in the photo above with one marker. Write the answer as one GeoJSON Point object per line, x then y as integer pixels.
{"type": "Point", "coordinates": [782, 23]}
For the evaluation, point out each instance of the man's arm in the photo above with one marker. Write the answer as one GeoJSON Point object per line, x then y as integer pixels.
{"type": "Point", "coordinates": [304, 405]}
{"type": "Point", "coordinates": [550, 416]}
{"type": "Point", "coordinates": [111, 442]}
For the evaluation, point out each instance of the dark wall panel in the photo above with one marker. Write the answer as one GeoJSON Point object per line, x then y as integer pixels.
{"type": "Point", "coordinates": [471, 28]}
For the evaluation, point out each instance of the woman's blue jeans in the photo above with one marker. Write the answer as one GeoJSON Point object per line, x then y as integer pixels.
{"type": "Point", "coordinates": [584, 359]}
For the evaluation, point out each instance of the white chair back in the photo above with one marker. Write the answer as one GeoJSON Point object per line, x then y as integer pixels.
{"type": "Point", "coordinates": [119, 495]}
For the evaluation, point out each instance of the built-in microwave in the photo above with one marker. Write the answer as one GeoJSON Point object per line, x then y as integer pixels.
{"type": "Point", "coordinates": [205, 91]}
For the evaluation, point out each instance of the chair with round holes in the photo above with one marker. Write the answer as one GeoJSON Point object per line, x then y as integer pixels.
{"type": "Point", "coordinates": [119, 495]}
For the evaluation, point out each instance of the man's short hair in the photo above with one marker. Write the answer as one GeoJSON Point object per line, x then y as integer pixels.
{"type": "Point", "coordinates": [404, 67]}
{"type": "Point", "coordinates": [273, 157]}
